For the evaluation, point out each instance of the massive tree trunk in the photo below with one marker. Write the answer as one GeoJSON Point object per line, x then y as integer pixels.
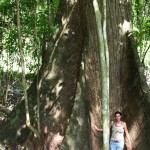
{"type": "Point", "coordinates": [70, 80]}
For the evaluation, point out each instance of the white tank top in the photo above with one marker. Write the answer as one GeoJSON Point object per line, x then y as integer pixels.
{"type": "Point", "coordinates": [117, 133]}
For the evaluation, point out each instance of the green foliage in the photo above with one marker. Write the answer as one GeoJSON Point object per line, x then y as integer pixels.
{"type": "Point", "coordinates": [141, 30]}
{"type": "Point", "coordinates": [16, 118]}
{"type": "Point", "coordinates": [141, 22]}
{"type": "Point", "coordinates": [29, 24]}
{"type": "Point", "coordinates": [55, 5]}
{"type": "Point", "coordinates": [2, 114]}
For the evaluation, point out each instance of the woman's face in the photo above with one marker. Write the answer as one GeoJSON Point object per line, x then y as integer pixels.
{"type": "Point", "coordinates": [117, 117]}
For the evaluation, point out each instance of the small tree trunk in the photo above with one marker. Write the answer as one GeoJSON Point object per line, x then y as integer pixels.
{"type": "Point", "coordinates": [37, 49]}
{"type": "Point", "coordinates": [104, 62]}
{"type": "Point", "coordinates": [23, 72]}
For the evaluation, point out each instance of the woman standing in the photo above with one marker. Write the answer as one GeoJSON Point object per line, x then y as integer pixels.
{"type": "Point", "coordinates": [118, 128]}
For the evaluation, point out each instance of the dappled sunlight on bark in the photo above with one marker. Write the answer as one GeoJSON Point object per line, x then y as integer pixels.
{"type": "Point", "coordinates": [55, 141]}
{"type": "Point", "coordinates": [125, 26]}
{"type": "Point", "coordinates": [49, 75]}
{"type": "Point", "coordinates": [58, 88]}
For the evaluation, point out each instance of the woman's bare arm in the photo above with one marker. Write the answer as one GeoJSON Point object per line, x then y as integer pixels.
{"type": "Point", "coordinates": [98, 129]}
{"type": "Point", "coordinates": [128, 136]}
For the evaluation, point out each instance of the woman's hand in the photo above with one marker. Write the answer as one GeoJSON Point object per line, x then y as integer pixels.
{"type": "Point", "coordinates": [95, 127]}
{"type": "Point", "coordinates": [129, 147]}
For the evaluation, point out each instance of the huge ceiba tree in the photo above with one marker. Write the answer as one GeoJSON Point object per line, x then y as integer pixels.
{"type": "Point", "coordinates": [70, 83]}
